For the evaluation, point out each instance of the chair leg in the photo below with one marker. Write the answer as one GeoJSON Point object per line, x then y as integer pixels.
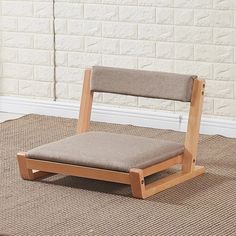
{"type": "Point", "coordinates": [25, 173]}
{"type": "Point", "coordinates": [137, 183]}
{"type": "Point", "coordinates": [140, 190]}
{"type": "Point", "coordinates": [28, 174]}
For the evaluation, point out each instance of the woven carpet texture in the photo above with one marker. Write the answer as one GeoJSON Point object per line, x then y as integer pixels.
{"type": "Point", "coordinates": [66, 205]}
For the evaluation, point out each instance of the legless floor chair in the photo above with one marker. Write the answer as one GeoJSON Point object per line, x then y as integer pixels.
{"type": "Point", "coordinates": [124, 158]}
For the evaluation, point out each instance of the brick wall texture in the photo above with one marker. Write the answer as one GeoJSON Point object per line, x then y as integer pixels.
{"type": "Point", "coordinates": [182, 36]}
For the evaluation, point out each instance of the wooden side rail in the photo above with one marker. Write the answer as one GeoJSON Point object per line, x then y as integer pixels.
{"type": "Point", "coordinates": [163, 165]}
{"type": "Point", "coordinates": [27, 165]}
{"type": "Point", "coordinates": [135, 177]}
{"type": "Point", "coordinates": [140, 190]}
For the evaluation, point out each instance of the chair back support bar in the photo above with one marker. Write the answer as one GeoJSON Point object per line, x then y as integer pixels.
{"type": "Point", "coordinates": [142, 83]}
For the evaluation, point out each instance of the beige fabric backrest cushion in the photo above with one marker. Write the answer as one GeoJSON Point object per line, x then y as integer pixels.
{"type": "Point", "coordinates": [142, 83]}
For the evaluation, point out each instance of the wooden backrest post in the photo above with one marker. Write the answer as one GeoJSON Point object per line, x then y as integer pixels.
{"type": "Point", "coordinates": [85, 104]}
{"type": "Point", "coordinates": [192, 135]}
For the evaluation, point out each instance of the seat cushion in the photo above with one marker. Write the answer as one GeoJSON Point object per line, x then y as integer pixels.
{"type": "Point", "coordinates": [110, 151]}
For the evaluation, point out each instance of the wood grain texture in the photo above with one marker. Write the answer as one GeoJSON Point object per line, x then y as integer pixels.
{"type": "Point", "coordinates": [137, 183]}
{"type": "Point", "coordinates": [80, 171]}
{"type": "Point", "coordinates": [192, 135]}
{"type": "Point", "coordinates": [25, 173]}
{"type": "Point", "coordinates": [171, 181]}
{"type": "Point", "coordinates": [85, 104]}
{"type": "Point", "coordinates": [162, 166]}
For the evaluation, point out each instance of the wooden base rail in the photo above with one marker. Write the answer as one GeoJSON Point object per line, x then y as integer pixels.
{"type": "Point", "coordinates": [27, 165]}
{"type": "Point", "coordinates": [140, 190]}
{"type": "Point", "coordinates": [135, 177]}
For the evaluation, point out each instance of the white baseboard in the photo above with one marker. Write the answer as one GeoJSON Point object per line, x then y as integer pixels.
{"type": "Point", "coordinates": [145, 118]}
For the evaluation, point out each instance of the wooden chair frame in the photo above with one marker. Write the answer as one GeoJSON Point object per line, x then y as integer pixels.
{"type": "Point", "coordinates": [135, 177]}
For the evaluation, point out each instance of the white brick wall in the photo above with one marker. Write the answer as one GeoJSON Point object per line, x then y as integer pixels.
{"type": "Point", "coordinates": [182, 36]}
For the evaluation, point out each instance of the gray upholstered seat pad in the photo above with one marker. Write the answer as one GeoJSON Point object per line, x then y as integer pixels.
{"type": "Point", "coordinates": [152, 84]}
{"type": "Point", "coordinates": [107, 151]}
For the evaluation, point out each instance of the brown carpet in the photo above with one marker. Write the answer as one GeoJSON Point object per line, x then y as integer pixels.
{"type": "Point", "coordinates": [62, 205]}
